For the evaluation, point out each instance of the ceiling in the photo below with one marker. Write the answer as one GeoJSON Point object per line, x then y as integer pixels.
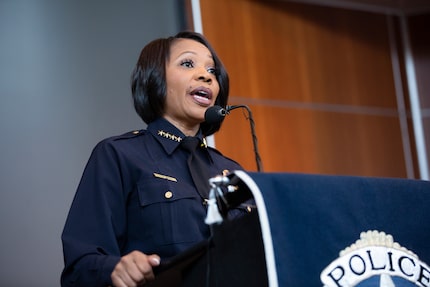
{"type": "Point", "coordinates": [383, 6]}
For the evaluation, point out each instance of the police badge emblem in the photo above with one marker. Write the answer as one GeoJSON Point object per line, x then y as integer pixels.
{"type": "Point", "coordinates": [376, 260]}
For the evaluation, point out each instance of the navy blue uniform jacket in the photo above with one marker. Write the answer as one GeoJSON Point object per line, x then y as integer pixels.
{"type": "Point", "coordinates": [136, 193]}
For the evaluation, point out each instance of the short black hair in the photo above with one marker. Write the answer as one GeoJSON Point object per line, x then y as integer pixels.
{"type": "Point", "coordinates": [148, 81]}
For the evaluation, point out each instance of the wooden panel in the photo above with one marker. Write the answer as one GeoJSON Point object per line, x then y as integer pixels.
{"type": "Point", "coordinates": [300, 52]}
{"type": "Point", "coordinates": [420, 45]}
{"type": "Point", "coordinates": [320, 84]}
{"type": "Point", "coordinates": [309, 141]}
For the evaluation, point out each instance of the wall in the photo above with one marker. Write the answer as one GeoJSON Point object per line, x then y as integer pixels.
{"type": "Point", "coordinates": [65, 68]}
{"type": "Point", "coordinates": [320, 83]}
{"type": "Point", "coordinates": [420, 49]}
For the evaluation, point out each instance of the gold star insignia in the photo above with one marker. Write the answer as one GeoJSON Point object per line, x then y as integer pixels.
{"type": "Point", "coordinates": [169, 136]}
{"type": "Point", "coordinates": [204, 143]}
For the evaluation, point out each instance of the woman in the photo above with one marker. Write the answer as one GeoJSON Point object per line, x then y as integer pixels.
{"type": "Point", "coordinates": [137, 202]}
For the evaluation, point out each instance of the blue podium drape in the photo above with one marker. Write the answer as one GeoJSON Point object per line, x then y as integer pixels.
{"type": "Point", "coordinates": [314, 217]}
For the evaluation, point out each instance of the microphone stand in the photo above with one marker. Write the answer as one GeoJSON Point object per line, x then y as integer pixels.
{"type": "Point", "coordinates": [253, 133]}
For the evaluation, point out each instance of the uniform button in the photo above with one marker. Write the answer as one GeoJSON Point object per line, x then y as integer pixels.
{"type": "Point", "coordinates": [135, 132]}
{"type": "Point", "coordinates": [168, 194]}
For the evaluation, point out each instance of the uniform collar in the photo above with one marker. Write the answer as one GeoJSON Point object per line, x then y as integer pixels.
{"type": "Point", "coordinates": [168, 135]}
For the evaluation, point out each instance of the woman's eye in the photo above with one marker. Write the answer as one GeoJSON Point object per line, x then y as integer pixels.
{"type": "Point", "coordinates": [212, 71]}
{"type": "Point", "coordinates": [187, 63]}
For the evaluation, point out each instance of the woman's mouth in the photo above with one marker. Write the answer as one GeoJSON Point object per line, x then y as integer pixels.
{"type": "Point", "coordinates": [202, 96]}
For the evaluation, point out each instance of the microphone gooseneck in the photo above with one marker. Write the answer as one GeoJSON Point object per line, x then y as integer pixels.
{"type": "Point", "coordinates": [216, 114]}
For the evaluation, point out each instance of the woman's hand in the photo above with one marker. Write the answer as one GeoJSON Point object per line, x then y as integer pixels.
{"type": "Point", "coordinates": [134, 269]}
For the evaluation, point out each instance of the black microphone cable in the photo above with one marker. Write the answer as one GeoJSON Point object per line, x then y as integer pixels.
{"type": "Point", "coordinates": [253, 133]}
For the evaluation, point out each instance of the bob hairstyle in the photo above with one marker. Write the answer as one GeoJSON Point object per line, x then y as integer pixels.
{"type": "Point", "coordinates": [148, 81]}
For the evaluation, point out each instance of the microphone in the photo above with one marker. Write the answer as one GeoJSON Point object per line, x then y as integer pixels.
{"type": "Point", "coordinates": [216, 114]}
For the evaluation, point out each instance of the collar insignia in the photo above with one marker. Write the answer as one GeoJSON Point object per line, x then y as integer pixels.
{"type": "Point", "coordinates": [169, 136]}
{"type": "Point", "coordinates": [376, 254]}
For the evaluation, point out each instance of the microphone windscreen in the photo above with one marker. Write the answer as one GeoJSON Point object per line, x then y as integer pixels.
{"type": "Point", "coordinates": [215, 114]}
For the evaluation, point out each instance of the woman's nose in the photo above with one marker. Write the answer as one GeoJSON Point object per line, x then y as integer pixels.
{"type": "Point", "coordinates": [204, 75]}
{"type": "Point", "coordinates": [204, 78]}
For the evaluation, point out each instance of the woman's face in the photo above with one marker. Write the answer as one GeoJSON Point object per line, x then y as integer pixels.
{"type": "Point", "coordinates": [192, 86]}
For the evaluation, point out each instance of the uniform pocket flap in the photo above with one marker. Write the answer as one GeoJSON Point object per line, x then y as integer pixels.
{"type": "Point", "coordinates": [156, 190]}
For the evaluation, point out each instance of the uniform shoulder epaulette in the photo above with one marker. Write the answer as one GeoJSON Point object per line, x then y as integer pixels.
{"type": "Point", "coordinates": [220, 153]}
{"type": "Point", "coordinates": [214, 149]}
{"type": "Point", "coordinates": [131, 134]}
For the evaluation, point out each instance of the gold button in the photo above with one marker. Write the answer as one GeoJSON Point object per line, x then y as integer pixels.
{"type": "Point", "coordinates": [135, 132]}
{"type": "Point", "coordinates": [168, 194]}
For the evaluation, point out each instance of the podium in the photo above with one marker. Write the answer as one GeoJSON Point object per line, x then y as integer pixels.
{"type": "Point", "coordinates": [314, 230]}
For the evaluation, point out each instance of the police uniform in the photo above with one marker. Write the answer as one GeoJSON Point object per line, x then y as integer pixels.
{"type": "Point", "coordinates": [136, 193]}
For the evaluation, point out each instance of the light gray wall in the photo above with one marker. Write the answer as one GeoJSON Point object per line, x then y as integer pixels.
{"type": "Point", "coordinates": [65, 69]}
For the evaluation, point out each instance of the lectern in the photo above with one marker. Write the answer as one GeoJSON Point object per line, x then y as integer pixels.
{"type": "Point", "coordinates": [313, 230]}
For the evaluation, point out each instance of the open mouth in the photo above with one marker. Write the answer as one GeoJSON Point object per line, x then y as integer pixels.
{"type": "Point", "coordinates": [202, 95]}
